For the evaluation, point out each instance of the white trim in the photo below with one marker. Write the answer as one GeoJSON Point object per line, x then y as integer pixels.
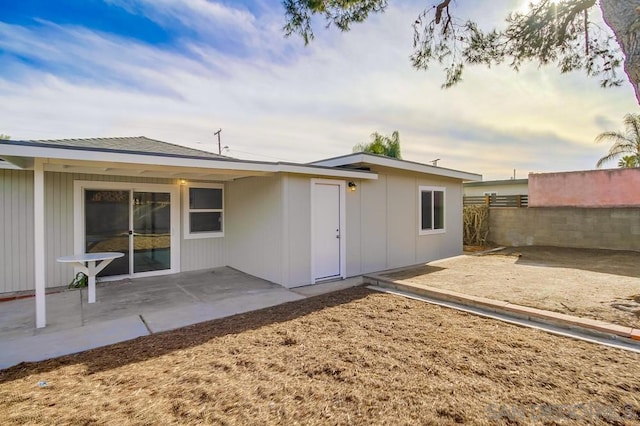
{"type": "Point", "coordinates": [79, 226]}
{"type": "Point", "coordinates": [39, 244]}
{"type": "Point", "coordinates": [140, 161]}
{"type": "Point", "coordinates": [343, 228]}
{"type": "Point", "coordinates": [284, 205]}
{"type": "Point", "coordinates": [432, 189]}
{"type": "Point", "coordinates": [378, 160]}
{"type": "Point", "coordinates": [186, 218]}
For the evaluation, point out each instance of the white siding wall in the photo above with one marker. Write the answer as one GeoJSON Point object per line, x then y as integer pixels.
{"type": "Point", "coordinates": [202, 254]}
{"type": "Point", "coordinates": [267, 222]}
{"type": "Point", "coordinates": [354, 234]}
{"type": "Point", "coordinates": [297, 228]}
{"type": "Point", "coordinates": [16, 225]}
{"type": "Point", "coordinates": [16, 231]}
{"type": "Point", "coordinates": [381, 229]}
{"type": "Point", "coordinates": [382, 223]}
{"type": "Point", "coordinates": [373, 225]}
{"type": "Point", "coordinates": [58, 225]}
{"type": "Point", "coordinates": [500, 189]}
{"type": "Point", "coordinates": [254, 226]}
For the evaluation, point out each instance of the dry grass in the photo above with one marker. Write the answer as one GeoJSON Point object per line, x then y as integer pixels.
{"type": "Point", "coordinates": [352, 357]}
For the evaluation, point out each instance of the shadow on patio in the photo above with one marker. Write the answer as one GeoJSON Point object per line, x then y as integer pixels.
{"type": "Point", "coordinates": [146, 297]}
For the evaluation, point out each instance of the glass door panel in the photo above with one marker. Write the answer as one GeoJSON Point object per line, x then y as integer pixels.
{"type": "Point", "coordinates": [107, 227]}
{"type": "Point", "coordinates": [151, 231]}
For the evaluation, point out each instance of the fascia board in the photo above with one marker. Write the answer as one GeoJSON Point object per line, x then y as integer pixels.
{"type": "Point", "coordinates": [173, 161]}
{"type": "Point", "coordinates": [505, 182]}
{"type": "Point", "coordinates": [398, 164]}
{"type": "Point", "coordinates": [327, 171]}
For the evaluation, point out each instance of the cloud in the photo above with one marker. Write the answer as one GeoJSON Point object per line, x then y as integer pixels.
{"type": "Point", "coordinates": [234, 30]}
{"type": "Point", "coordinates": [89, 57]}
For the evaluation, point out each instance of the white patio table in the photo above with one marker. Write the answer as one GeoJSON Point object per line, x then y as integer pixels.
{"type": "Point", "coordinates": [91, 268]}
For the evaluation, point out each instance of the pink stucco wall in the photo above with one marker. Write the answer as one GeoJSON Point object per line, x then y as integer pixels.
{"type": "Point", "coordinates": [591, 188]}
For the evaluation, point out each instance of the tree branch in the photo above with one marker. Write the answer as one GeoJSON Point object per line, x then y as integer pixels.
{"type": "Point", "coordinates": [440, 8]}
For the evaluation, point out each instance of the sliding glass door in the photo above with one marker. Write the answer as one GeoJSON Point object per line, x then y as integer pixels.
{"type": "Point", "coordinates": [136, 223]}
{"type": "Point", "coordinates": [106, 220]}
{"type": "Point", "coordinates": [151, 231]}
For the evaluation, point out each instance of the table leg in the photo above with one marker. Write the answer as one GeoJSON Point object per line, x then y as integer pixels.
{"type": "Point", "coordinates": [91, 275]}
{"type": "Point", "coordinates": [92, 289]}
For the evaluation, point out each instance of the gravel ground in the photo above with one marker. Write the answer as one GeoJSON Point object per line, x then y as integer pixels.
{"type": "Point", "coordinates": [350, 357]}
{"type": "Point", "coordinates": [598, 284]}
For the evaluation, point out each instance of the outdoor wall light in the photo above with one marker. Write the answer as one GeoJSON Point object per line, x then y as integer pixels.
{"type": "Point", "coordinates": [183, 182]}
{"type": "Point", "coordinates": [352, 186]}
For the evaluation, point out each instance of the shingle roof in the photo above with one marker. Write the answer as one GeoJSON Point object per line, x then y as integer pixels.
{"type": "Point", "coordinates": [137, 144]}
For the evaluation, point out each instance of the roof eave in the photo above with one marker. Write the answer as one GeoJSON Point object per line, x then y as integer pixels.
{"type": "Point", "coordinates": [26, 152]}
{"type": "Point", "coordinates": [364, 158]}
{"type": "Point", "coordinates": [498, 182]}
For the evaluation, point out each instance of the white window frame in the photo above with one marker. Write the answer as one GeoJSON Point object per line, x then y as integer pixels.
{"type": "Point", "coordinates": [188, 235]}
{"type": "Point", "coordinates": [433, 189]}
{"type": "Point", "coordinates": [79, 187]}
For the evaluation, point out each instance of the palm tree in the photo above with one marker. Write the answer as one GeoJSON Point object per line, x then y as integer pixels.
{"type": "Point", "coordinates": [381, 145]}
{"type": "Point", "coordinates": [623, 143]}
{"type": "Point", "coordinates": [629, 161]}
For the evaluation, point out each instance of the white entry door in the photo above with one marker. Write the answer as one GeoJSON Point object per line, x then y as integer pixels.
{"type": "Point", "coordinates": [327, 228]}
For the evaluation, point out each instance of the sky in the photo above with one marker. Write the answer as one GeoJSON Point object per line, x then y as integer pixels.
{"type": "Point", "coordinates": [179, 70]}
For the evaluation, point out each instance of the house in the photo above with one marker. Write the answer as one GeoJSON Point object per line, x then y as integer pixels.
{"type": "Point", "coordinates": [496, 187]}
{"type": "Point", "coordinates": [170, 208]}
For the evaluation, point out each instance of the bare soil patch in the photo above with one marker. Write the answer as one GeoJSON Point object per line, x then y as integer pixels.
{"type": "Point", "coordinates": [597, 284]}
{"type": "Point", "coordinates": [351, 357]}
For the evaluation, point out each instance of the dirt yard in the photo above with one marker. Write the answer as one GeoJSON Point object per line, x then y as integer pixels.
{"type": "Point", "coordinates": [351, 357]}
{"type": "Point", "coordinates": [598, 284]}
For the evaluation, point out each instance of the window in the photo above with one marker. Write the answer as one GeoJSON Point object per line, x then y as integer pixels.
{"type": "Point", "coordinates": [203, 211]}
{"type": "Point", "coordinates": [431, 201]}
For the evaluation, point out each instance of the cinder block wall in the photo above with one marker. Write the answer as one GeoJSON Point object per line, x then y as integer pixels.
{"type": "Point", "coordinates": [606, 228]}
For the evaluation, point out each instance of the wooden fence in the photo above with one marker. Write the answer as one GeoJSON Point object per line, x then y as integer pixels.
{"type": "Point", "coordinates": [497, 200]}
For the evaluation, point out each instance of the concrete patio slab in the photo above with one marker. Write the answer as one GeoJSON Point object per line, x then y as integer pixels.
{"type": "Point", "coordinates": [132, 308]}
{"type": "Point", "coordinates": [181, 316]}
{"type": "Point", "coordinates": [63, 342]}
{"type": "Point", "coordinates": [17, 317]}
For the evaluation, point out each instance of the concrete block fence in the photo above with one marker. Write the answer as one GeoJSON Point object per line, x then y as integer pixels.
{"type": "Point", "coordinates": [615, 228]}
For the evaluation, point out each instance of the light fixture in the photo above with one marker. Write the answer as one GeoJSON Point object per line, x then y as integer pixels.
{"type": "Point", "coordinates": [183, 182]}
{"type": "Point", "coordinates": [352, 186]}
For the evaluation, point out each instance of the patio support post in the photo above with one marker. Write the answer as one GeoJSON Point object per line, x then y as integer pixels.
{"type": "Point", "coordinates": [39, 247]}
